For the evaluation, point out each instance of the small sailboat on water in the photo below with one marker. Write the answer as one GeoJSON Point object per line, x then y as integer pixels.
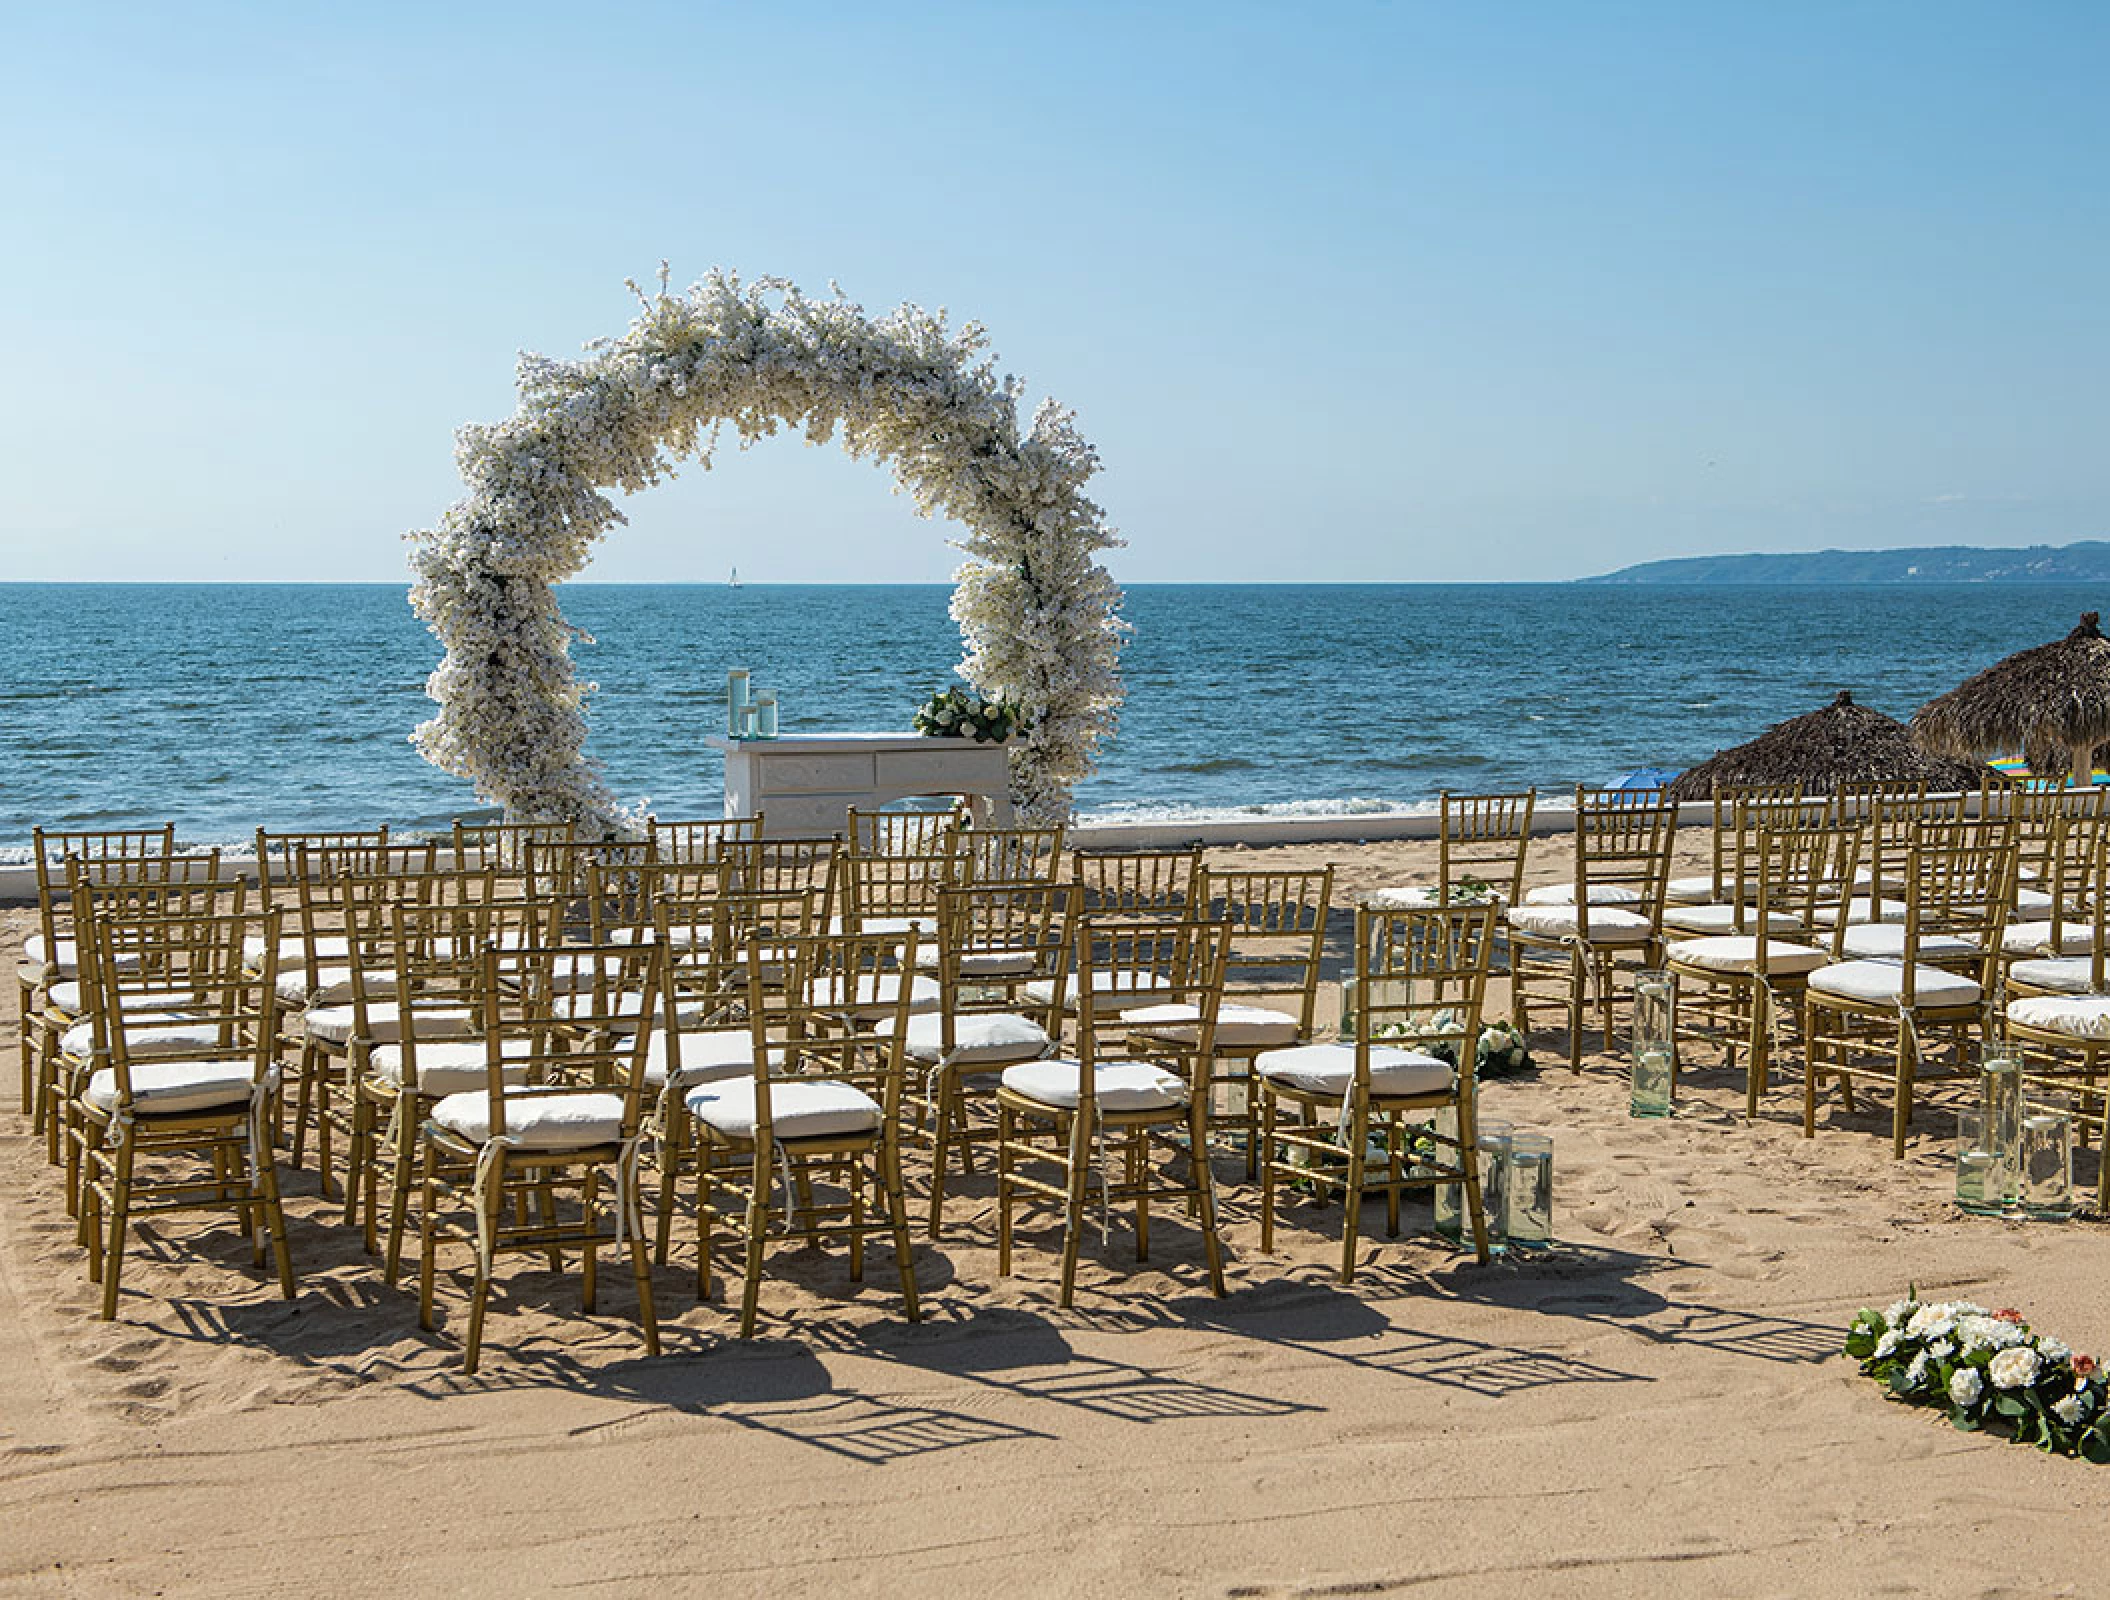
{"type": "Point", "coordinates": [734, 581]}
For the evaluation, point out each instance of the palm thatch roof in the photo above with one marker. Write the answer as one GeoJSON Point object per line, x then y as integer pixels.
{"type": "Point", "coordinates": [1824, 750]}
{"type": "Point", "coordinates": [2051, 702]}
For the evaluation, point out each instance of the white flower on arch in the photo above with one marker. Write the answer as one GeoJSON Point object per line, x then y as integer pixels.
{"type": "Point", "coordinates": [1039, 616]}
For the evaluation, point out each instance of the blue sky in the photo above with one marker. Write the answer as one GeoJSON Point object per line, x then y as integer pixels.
{"type": "Point", "coordinates": [1340, 292]}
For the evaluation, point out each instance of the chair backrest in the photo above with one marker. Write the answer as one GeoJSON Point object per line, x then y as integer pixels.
{"type": "Point", "coordinates": [503, 846]}
{"type": "Point", "coordinates": [1421, 983]}
{"type": "Point", "coordinates": [1176, 960]}
{"type": "Point", "coordinates": [832, 1005]}
{"type": "Point", "coordinates": [1734, 806]}
{"type": "Point", "coordinates": [1857, 799]}
{"type": "Point", "coordinates": [164, 889]}
{"type": "Point", "coordinates": [874, 886]}
{"type": "Point", "coordinates": [1793, 860]}
{"type": "Point", "coordinates": [1483, 838]}
{"type": "Point", "coordinates": [1622, 843]}
{"type": "Point", "coordinates": [704, 839]}
{"type": "Point", "coordinates": [778, 866]}
{"type": "Point", "coordinates": [331, 852]}
{"type": "Point", "coordinates": [52, 848]}
{"type": "Point", "coordinates": [1149, 885]}
{"type": "Point", "coordinates": [1010, 855]}
{"type": "Point", "coordinates": [190, 961]}
{"type": "Point", "coordinates": [1276, 923]}
{"type": "Point", "coordinates": [1959, 881]}
{"type": "Point", "coordinates": [996, 939]}
{"type": "Point", "coordinates": [902, 833]}
{"type": "Point", "coordinates": [610, 996]}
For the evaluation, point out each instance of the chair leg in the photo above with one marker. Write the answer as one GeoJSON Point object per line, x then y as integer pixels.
{"type": "Point", "coordinates": [120, 1211]}
{"type": "Point", "coordinates": [1138, 1169]}
{"type": "Point", "coordinates": [590, 1267]}
{"type": "Point", "coordinates": [1268, 1115]}
{"type": "Point", "coordinates": [757, 1229]}
{"type": "Point", "coordinates": [1006, 1130]}
{"type": "Point", "coordinates": [1758, 1054]}
{"type": "Point", "coordinates": [940, 1146]}
{"type": "Point", "coordinates": [1080, 1175]}
{"type": "Point", "coordinates": [1205, 1197]}
{"type": "Point", "coordinates": [1578, 977]}
{"type": "Point", "coordinates": [896, 1198]}
{"type": "Point", "coordinates": [428, 1238]}
{"type": "Point", "coordinates": [491, 1201]}
{"type": "Point", "coordinates": [672, 1145]}
{"type": "Point", "coordinates": [403, 1141]}
{"type": "Point", "coordinates": [857, 1221]}
{"type": "Point", "coordinates": [275, 1217]}
{"type": "Point", "coordinates": [1352, 1202]}
{"type": "Point", "coordinates": [1475, 1203]}
{"type": "Point", "coordinates": [1907, 1067]}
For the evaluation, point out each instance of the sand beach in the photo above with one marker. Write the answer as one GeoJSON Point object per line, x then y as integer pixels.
{"type": "Point", "coordinates": [1655, 1407]}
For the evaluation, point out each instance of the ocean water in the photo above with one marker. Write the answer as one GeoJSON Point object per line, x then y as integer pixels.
{"type": "Point", "coordinates": [226, 706]}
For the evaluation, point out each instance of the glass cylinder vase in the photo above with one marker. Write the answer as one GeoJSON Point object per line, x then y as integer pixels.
{"type": "Point", "coordinates": [1530, 1190]}
{"type": "Point", "coordinates": [2000, 1093]}
{"type": "Point", "coordinates": [1655, 1044]}
{"type": "Point", "coordinates": [1977, 1164]}
{"type": "Point", "coordinates": [2045, 1158]}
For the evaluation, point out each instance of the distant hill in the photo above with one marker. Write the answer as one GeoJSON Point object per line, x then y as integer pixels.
{"type": "Point", "coordinates": [2085, 562]}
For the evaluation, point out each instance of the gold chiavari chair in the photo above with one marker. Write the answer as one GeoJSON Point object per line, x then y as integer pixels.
{"type": "Point", "coordinates": [1738, 859]}
{"type": "Point", "coordinates": [178, 885]}
{"type": "Point", "coordinates": [1956, 876]}
{"type": "Point", "coordinates": [703, 840]}
{"type": "Point", "coordinates": [821, 1101]}
{"type": "Point", "coordinates": [1072, 1114]}
{"type": "Point", "coordinates": [705, 1033]}
{"type": "Point", "coordinates": [337, 889]}
{"type": "Point", "coordinates": [1727, 801]}
{"type": "Point", "coordinates": [1572, 937]}
{"type": "Point", "coordinates": [993, 940]}
{"type": "Point", "coordinates": [902, 833]}
{"type": "Point", "coordinates": [1152, 886]}
{"type": "Point", "coordinates": [508, 1151]}
{"type": "Point", "coordinates": [1734, 985]}
{"type": "Point", "coordinates": [887, 894]}
{"type": "Point", "coordinates": [595, 879]}
{"type": "Point", "coordinates": [50, 954]}
{"type": "Point", "coordinates": [1275, 924]}
{"type": "Point", "coordinates": [179, 1117]}
{"type": "Point", "coordinates": [785, 866]}
{"type": "Point", "coordinates": [2057, 836]}
{"type": "Point", "coordinates": [2064, 1032]}
{"type": "Point", "coordinates": [1420, 987]}
{"type": "Point", "coordinates": [416, 997]}
{"type": "Point", "coordinates": [1482, 841]}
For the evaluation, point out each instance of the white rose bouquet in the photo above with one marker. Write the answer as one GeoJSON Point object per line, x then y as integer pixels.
{"type": "Point", "coordinates": [963, 714]}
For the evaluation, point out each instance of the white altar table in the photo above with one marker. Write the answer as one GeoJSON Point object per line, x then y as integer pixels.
{"type": "Point", "coordinates": [805, 784]}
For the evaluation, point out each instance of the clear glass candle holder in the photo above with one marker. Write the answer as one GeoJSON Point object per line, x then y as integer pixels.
{"type": "Point", "coordinates": [765, 714]}
{"type": "Point", "coordinates": [1655, 1045]}
{"type": "Point", "coordinates": [1493, 1156]}
{"type": "Point", "coordinates": [2044, 1164]}
{"type": "Point", "coordinates": [1530, 1190]}
{"type": "Point", "coordinates": [2000, 1093]}
{"type": "Point", "coordinates": [1978, 1175]}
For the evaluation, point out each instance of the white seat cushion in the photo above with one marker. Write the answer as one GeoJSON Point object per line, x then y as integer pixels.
{"type": "Point", "coordinates": [1425, 897]}
{"type": "Point", "coordinates": [1718, 918]}
{"type": "Point", "coordinates": [538, 1121]}
{"type": "Point", "coordinates": [147, 1033]}
{"type": "Point", "coordinates": [875, 994]}
{"type": "Point", "coordinates": [707, 1054]}
{"type": "Point", "coordinates": [1861, 909]}
{"type": "Point", "coordinates": [2077, 1016]}
{"type": "Point", "coordinates": [1600, 894]}
{"type": "Point", "coordinates": [1738, 952]}
{"type": "Point", "coordinates": [335, 988]}
{"type": "Point", "coordinates": [68, 964]}
{"type": "Point", "coordinates": [1888, 939]}
{"type": "Point", "coordinates": [578, 1006]}
{"type": "Point", "coordinates": [2034, 939]}
{"type": "Point", "coordinates": [799, 1108]}
{"type": "Point", "coordinates": [448, 1066]}
{"type": "Point", "coordinates": [990, 963]}
{"type": "Point", "coordinates": [1111, 991]}
{"type": "Point", "coordinates": [165, 1088]}
{"type": "Point", "coordinates": [1118, 1086]}
{"type": "Point", "coordinates": [334, 1024]}
{"type": "Point", "coordinates": [1328, 1069]}
{"type": "Point", "coordinates": [1882, 982]}
{"type": "Point", "coordinates": [2059, 974]}
{"type": "Point", "coordinates": [884, 927]}
{"type": "Point", "coordinates": [1691, 891]}
{"type": "Point", "coordinates": [293, 949]}
{"type": "Point", "coordinates": [1608, 924]}
{"type": "Point", "coordinates": [979, 1038]}
{"type": "Point", "coordinates": [1237, 1027]}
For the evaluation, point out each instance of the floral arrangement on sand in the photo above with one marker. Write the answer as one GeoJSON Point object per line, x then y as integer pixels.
{"type": "Point", "coordinates": [962, 714]}
{"type": "Point", "coordinates": [1986, 1369]}
{"type": "Point", "coordinates": [1039, 616]}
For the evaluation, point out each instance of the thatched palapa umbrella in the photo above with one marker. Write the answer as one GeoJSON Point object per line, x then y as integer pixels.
{"type": "Point", "coordinates": [1822, 750]}
{"type": "Point", "coordinates": [2051, 702]}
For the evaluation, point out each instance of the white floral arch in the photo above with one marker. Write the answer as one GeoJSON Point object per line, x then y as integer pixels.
{"type": "Point", "coordinates": [1039, 616]}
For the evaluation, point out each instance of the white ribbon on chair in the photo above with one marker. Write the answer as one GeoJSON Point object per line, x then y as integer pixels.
{"type": "Point", "coordinates": [486, 1165]}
